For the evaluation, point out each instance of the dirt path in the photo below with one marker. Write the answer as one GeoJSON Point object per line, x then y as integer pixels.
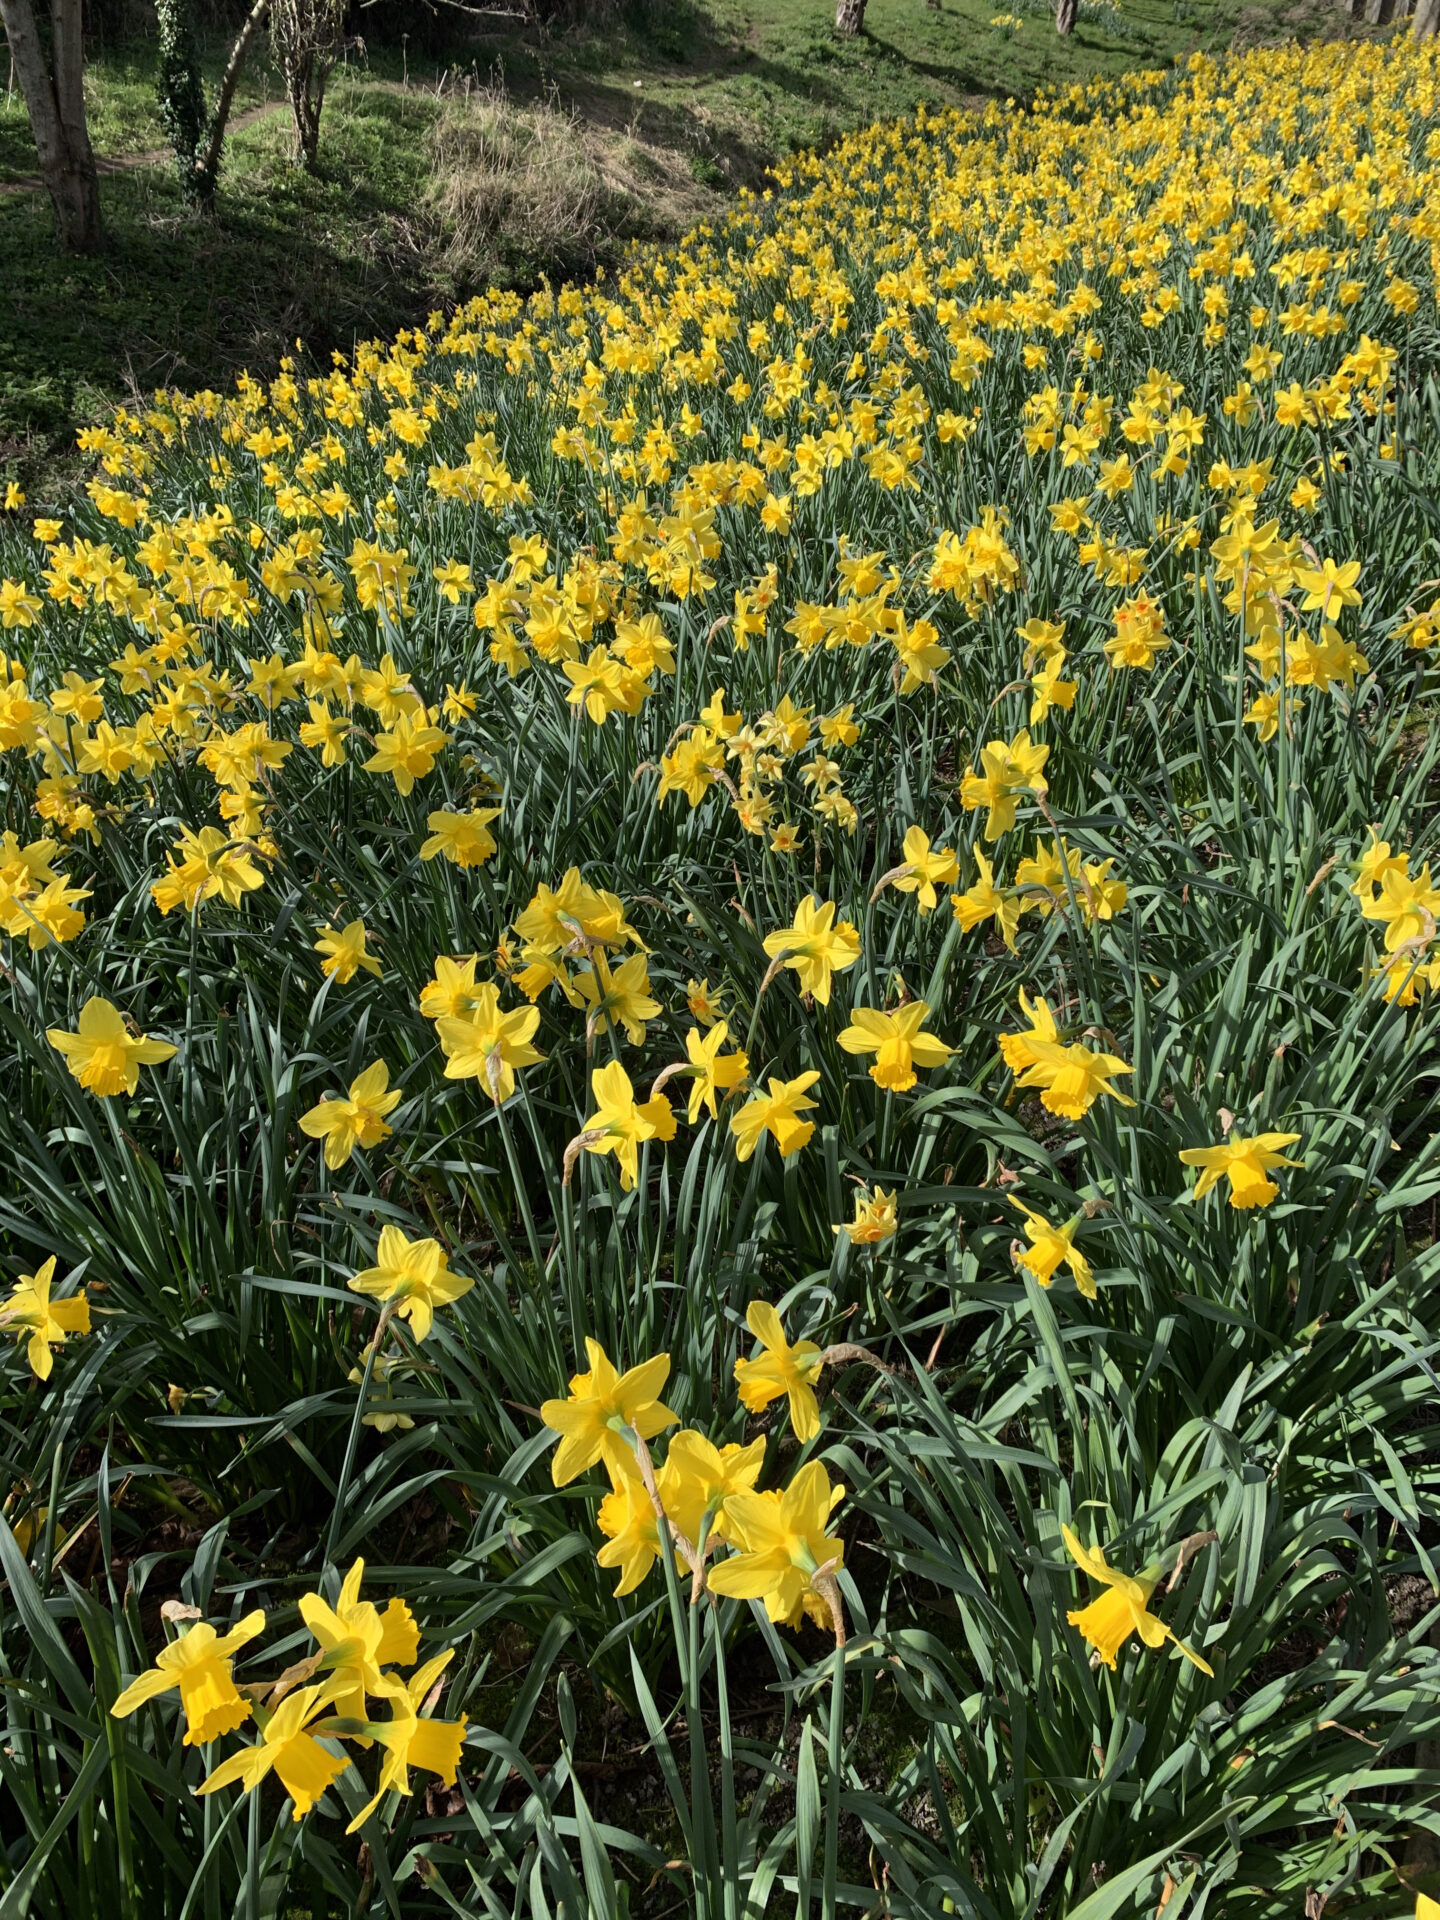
{"type": "Point", "coordinates": [152, 157]}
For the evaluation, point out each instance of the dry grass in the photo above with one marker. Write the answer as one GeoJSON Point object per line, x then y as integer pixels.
{"type": "Point", "coordinates": [520, 190]}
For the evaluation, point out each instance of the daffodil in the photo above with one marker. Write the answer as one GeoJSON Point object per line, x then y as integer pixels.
{"type": "Point", "coordinates": [619, 999]}
{"type": "Point", "coordinates": [411, 1740]}
{"type": "Point", "coordinates": [780, 1368]}
{"type": "Point", "coordinates": [782, 1545]}
{"type": "Point", "coordinates": [1408, 909]}
{"type": "Point", "coordinates": [487, 1044]}
{"type": "Point", "coordinates": [776, 1112]}
{"type": "Point", "coordinates": [815, 946]}
{"type": "Point", "coordinates": [620, 1123]}
{"type": "Point", "coordinates": [356, 1121]}
{"type": "Point", "coordinates": [345, 953]}
{"type": "Point", "coordinates": [897, 1042]}
{"type": "Point", "coordinates": [700, 1479]}
{"type": "Point", "coordinates": [464, 839]}
{"type": "Point", "coordinates": [413, 1276]}
{"type": "Point", "coordinates": [406, 752]}
{"type": "Point", "coordinates": [1052, 1247]}
{"type": "Point", "coordinates": [1245, 1163]}
{"type": "Point", "coordinates": [356, 1640]}
{"type": "Point", "coordinates": [1123, 1609]}
{"type": "Point", "coordinates": [602, 1404]}
{"type": "Point", "coordinates": [40, 1322]}
{"type": "Point", "coordinates": [924, 870]}
{"type": "Point", "coordinates": [876, 1218]}
{"type": "Point", "coordinates": [715, 1073]}
{"type": "Point", "coordinates": [198, 1663]}
{"type": "Point", "coordinates": [104, 1056]}
{"type": "Point", "coordinates": [631, 1526]}
{"type": "Point", "coordinates": [1073, 1078]}
{"type": "Point", "coordinates": [1007, 769]}
{"type": "Point", "coordinates": [288, 1747]}
{"type": "Point", "coordinates": [1017, 1049]}
{"type": "Point", "coordinates": [450, 992]}
{"type": "Point", "coordinates": [985, 901]}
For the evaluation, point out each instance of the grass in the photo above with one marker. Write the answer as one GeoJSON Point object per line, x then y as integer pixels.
{"type": "Point", "coordinates": [676, 108]}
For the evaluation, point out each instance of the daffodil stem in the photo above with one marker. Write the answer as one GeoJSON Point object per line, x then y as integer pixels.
{"type": "Point", "coordinates": [770, 972]}
{"type": "Point", "coordinates": [690, 1554]}
{"type": "Point", "coordinates": [836, 1756]}
{"type": "Point", "coordinates": [356, 1422]}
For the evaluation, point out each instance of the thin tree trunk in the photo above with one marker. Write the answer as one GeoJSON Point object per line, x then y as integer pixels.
{"type": "Point", "coordinates": [1427, 19]}
{"type": "Point", "coordinates": [1378, 13]}
{"type": "Point", "coordinates": [209, 167]}
{"type": "Point", "coordinates": [849, 17]}
{"type": "Point", "coordinates": [1064, 17]}
{"type": "Point", "coordinates": [55, 102]}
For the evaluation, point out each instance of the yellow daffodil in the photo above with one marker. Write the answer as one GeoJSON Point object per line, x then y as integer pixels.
{"type": "Point", "coordinates": [450, 991]}
{"type": "Point", "coordinates": [198, 1663]}
{"type": "Point", "coordinates": [104, 1056]}
{"type": "Point", "coordinates": [621, 998]}
{"type": "Point", "coordinates": [1007, 771]}
{"type": "Point", "coordinates": [1107, 1623]}
{"type": "Point", "coordinates": [345, 953]}
{"type": "Point", "coordinates": [985, 901]}
{"type": "Point", "coordinates": [896, 1041]}
{"type": "Point", "coordinates": [620, 1123]}
{"type": "Point", "coordinates": [1053, 1247]}
{"type": "Point", "coordinates": [782, 1545]}
{"type": "Point", "coordinates": [715, 1073]}
{"type": "Point", "coordinates": [415, 1274]}
{"type": "Point", "coordinates": [42, 1323]}
{"type": "Point", "coordinates": [602, 1404]}
{"type": "Point", "coordinates": [876, 1218]}
{"type": "Point", "coordinates": [780, 1368]}
{"type": "Point", "coordinates": [1073, 1078]}
{"type": "Point", "coordinates": [410, 1740]}
{"type": "Point", "coordinates": [464, 839]}
{"type": "Point", "coordinates": [631, 1526]}
{"type": "Point", "coordinates": [356, 1121]}
{"type": "Point", "coordinates": [289, 1748]}
{"type": "Point", "coordinates": [776, 1112]}
{"type": "Point", "coordinates": [487, 1044]}
{"type": "Point", "coordinates": [925, 870]}
{"type": "Point", "coordinates": [356, 1640]}
{"type": "Point", "coordinates": [1245, 1163]}
{"type": "Point", "coordinates": [815, 946]}
{"type": "Point", "coordinates": [406, 752]}
{"type": "Point", "coordinates": [701, 1478]}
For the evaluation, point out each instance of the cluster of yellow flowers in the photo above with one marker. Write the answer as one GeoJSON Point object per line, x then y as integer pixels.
{"type": "Point", "coordinates": [357, 1649]}
{"type": "Point", "coordinates": [777, 1549]}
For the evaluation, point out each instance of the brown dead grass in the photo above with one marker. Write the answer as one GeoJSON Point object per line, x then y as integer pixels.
{"type": "Point", "coordinates": [520, 189]}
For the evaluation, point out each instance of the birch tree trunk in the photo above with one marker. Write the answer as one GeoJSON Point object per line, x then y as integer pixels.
{"type": "Point", "coordinates": [849, 17]}
{"type": "Point", "coordinates": [54, 94]}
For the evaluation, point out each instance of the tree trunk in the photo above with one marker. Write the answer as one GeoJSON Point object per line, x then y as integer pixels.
{"type": "Point", "coordinates": [307, 38]}
{"type": "Point", "coordinates": [55, 101]}
{"type": "Point", "coordinates": [1064, 17]}
{"type": "Point", "coordinates": [208, 166]}
{"type": "Point", "coordinates": [1378, 13]}
{"type": "Point", "coordinates": [849, 17]}
{"type": "Point", "coordinates": [181, 90]}
{"type": "Point", "coordinates": [1427, 19]}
